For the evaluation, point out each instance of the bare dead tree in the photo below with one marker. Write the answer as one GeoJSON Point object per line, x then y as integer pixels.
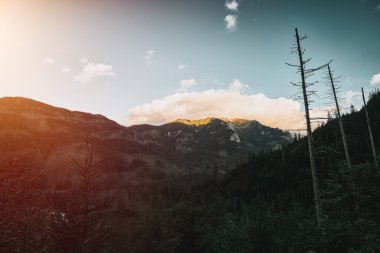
{"type": "Point", "coordinates": [369, 129]}
{"type": "Point", "coordinates": [334, 90]}
{"type": "Point", "coordinates": [305, 94]}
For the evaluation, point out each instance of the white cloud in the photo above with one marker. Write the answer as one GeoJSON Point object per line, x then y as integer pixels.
{"type": "Point", "coordinates": [231, 22]}
{"type": "Point", "coordinates": [232, 5]}
{"type": "Point", "coordinates": [276, 112]}
{"type": "Point", "coordinates": [237, 85]}
{"type": "Point", "coordinates": [187, 84]}
{"type": "Point", "coordinates": [66, 69]}
{"type": "Point", "coordinates": [94, 70]}
{"type": "Point", "coordinates": [351, 97]}
{"type": "Point", "coordinates": [83, 60]}
{"type": "Point", "coordinates": [48, 60]}
{"type": "Point", "coordinates": [377, 8]}
{"type": "Point", "coordinates": [375, 80]}
{"type": "Point", "coordinates": [149, 56]}
{"type": "Point", "coordinates": [181, 67]}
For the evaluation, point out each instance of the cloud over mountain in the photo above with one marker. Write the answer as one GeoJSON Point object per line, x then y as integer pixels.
{"type": "Point", "coordinates": [275, 112]}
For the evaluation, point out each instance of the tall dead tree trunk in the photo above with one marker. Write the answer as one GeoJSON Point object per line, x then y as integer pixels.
{"type": "Point", "coordinates": [334, 89]}
{"type": "Point", "coordinates": [309, 131]}
{"type": "Point", "coordinates": [369, 129]}
{"type": "Point", "coordinates": [345, 145]}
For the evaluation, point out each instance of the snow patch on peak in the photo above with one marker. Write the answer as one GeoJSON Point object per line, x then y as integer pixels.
{"type": "Point", "coordinates": [231, 126]}
{"type": "Point", "coordinates": [235, 137]}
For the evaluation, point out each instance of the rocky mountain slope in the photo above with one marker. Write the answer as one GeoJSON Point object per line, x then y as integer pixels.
{"type": "Point", "coordinates": [50, 138]}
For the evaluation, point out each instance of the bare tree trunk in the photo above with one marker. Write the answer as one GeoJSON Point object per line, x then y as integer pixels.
{"type": "Point", "coordinates": [344, 138]}
{"type": "Point", "coordinates": [369, 129]}
{"type": "Point", "coordinates": [309, 132]}
{"type": "Point", "coordinates": [348, 158]}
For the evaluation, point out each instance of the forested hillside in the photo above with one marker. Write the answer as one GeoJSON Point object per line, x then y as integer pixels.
{"type": "Point", "coordinates": [263, 205]}
{"type": "Point", "coordinates": [266, 204]}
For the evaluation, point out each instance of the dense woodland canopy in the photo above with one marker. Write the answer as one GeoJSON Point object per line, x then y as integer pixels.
{"type": "Point", "coordinates": [263, 205]}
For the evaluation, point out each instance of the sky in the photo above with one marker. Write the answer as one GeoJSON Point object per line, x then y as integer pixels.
{"type": "Point", "coordinates": [153, 61]}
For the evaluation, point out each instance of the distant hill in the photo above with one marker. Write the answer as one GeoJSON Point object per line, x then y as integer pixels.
{"type": "Point", "coordinates": [51, 138]}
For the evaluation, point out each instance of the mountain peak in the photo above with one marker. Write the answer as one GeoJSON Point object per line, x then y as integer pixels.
{"type": "Point", "coordinates": [208, 120]}
{"type": "Point", "coordinates": [238, 121]}
{"type": "Point", "coordinates": [197, 122]}
{"type": "Point", "coordinates": [22, 101]}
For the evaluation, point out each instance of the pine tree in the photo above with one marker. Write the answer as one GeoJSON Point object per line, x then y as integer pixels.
{"type": "Point", "coordinates": [84, 227]}
{"type": "Point", "coordinates": [329, 118]}
{"type": "Point", "coordinates": [353, 109]}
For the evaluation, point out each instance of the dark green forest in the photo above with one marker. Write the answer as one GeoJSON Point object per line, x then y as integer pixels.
{"type": "Point", "coordinates": [263, 205]}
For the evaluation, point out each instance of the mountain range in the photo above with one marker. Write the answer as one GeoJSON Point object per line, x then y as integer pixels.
{"type": "Point", "coordinates": [53, 139]}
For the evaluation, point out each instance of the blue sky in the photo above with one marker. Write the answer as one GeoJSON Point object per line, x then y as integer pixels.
{"type": "Point", "coordinates": [152, 61]}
